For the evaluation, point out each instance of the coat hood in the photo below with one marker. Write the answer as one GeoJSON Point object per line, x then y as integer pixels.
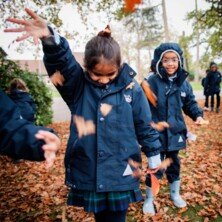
{"type": "Point", "coordinates": [18, 95]}
{"type": "Point", "coordinates": [158, 55]}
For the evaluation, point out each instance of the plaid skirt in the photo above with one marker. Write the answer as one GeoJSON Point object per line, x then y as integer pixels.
{"type": "Point", "coordinates": [96, 202]}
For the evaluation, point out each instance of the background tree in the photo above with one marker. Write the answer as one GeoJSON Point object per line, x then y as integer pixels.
{"type": "Point", "coordinates": [41, 94]}
{"type": "Point", "coordinates": [210, 28]}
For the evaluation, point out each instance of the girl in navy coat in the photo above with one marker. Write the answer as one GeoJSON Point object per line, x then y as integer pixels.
{"type": "Point", "coordinates": [110, 120]}
{"type": "Point", "coordinates": [20, 139]}
{"type": "Point", "coordinates": [174, 95]}
{"type": "Point", "coordinates": [212, 86]}
{"type": "Point", "coordinates": [19, 93]}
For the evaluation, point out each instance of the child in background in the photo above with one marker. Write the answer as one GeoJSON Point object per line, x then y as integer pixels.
{"type": "Point", "coordinates": [111, 118]}
{"type": "Point", "coordinates": [22, 139]}
{"type": "Point", "coordinates": [173, 94]}
{"type": "Point", "coordinates": [212, 85]}
{"type": "Point", "coordinates": [203, 81]}
{"type": "Point", "coordinates": [19, 93]}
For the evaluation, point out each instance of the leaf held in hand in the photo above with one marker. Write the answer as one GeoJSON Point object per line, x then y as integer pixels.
{"type": "Point", "coordinates": [155, 184]}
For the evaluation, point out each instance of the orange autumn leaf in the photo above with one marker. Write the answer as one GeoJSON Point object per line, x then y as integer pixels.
{"type": "Point", "coordinates": [105, 109]}
{"type": "Point", "coordinates": [84, 127]}
{"type": "Point", "coordinates": [130, 5]}
{"type": "Point", "coordinates": [160, 126]}
{"type": "Point", "coordinates": [149, 93]}
{"type": "Point", "coordinates": [57, 78]}
{"type": "Point", "coordinates": [155, 184]}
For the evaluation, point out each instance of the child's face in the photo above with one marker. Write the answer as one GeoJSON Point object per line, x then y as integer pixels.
{"type": "Point", "coordinates": [103, 73]}
{"type": "Point", "coordinates": [170, 62]}
{"type": "Point", "coordinates": [213, 68]}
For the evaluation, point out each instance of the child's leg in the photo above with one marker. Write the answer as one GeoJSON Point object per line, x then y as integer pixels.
{"type": "Point", "coordinates": [206, 101]}
{"type": "Point", "coordinates": [173, 176]}
{"type": "Point", "coordinates": [212, 102]}
{"type": "Point", "coordinates": [148, 206]}
{"type": "Point", "coordinates": [110, 216]}
{"type": "Point", "coordinates": [173, 171]}
{"type": "Point", "coordinates": [218, 101]}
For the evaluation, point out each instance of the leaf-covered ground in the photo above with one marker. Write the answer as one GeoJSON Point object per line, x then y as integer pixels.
{"type": "Point", "coordinates": [29, 192]}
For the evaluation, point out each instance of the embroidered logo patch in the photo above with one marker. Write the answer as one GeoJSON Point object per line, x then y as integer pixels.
{"type": "Point", "coordinates": [128, 98]}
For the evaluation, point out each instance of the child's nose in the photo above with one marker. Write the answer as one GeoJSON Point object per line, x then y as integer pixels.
{"type": "Point", "coordinates": [104, 80]}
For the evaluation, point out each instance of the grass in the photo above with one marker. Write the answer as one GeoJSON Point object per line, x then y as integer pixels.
{"type": "Point", "coordinates": [196, 85]}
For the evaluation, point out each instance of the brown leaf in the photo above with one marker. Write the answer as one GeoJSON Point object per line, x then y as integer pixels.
{"type": "Point", "coordinates": [105, 109]}
{"type": "Point", "coordinates": [57, 78]}
{"type": "Point", "coordinates": [84, 127]}
{"type": "Point", "coordinates": [149, 93]}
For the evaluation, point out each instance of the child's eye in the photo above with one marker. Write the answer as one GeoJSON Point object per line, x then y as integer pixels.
{"type": "Point", "coordinates": [174, 60]}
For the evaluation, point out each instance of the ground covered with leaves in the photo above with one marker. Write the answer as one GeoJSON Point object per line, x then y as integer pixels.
{"type": "Point", "coordinates": [29, 192]}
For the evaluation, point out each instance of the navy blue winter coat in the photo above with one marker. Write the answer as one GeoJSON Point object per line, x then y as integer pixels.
{"type": "Point", "coordinates": [173, 97]}
{"type": "Point", "coordinates": [97, 162]}
{"type": "Point", "coordinates": [17, 136]}
{"type": "Point", "coordinates": [212, 83]}
{"type": "Point", "coordinates": [25, 103]}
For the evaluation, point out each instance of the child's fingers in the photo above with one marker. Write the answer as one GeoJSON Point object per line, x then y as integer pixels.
{"type": "Point", "coordinates": [31, 13]}
{"type": "Point", "coordinates": [27, 35]}
{"type": "Point", "coordinates": [15, 30]}
{"type": "Point", "coordinates": [47, 136]}
{"type": "Point", "coordinates": [17, 21]}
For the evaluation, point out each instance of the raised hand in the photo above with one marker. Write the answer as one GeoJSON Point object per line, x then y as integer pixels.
{"type": "Point", "coordinates": [35, 27]}
{"type": "Point", "coordinates": [51, 146]}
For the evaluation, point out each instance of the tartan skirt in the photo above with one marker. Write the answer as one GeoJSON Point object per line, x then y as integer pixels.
{"type": "Point", "coordinates": [96, 202]}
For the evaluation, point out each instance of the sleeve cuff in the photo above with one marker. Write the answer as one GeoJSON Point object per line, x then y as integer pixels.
{"type": "Point", "coordinates": [53, 39]}
{"type": "Point", "coordinates": [154, 161]}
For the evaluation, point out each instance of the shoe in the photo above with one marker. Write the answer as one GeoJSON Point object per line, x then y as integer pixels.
{"type": "Point", "coordinates": [206, 108]}
{"type": "Point", "coordinates": [211, 109]}
{"type": "Point", "coordinates": [148, 206]}
{"type": "Point", "coordinates": [175, 194]}
{"type": "Point", "coordinates": [217, 110]}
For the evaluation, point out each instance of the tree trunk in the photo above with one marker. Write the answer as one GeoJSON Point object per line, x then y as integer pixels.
{"type": "Point", "coordinates": [197, 68]}
{"type": "Point", "coordinates": [165, 22]}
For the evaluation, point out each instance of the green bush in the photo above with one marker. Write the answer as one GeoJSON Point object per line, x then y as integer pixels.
{"type": "Point", "coordinates": [40, 93]}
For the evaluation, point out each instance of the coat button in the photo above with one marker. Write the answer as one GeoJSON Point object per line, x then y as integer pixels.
{"type": "Point", "coordinates": [100, 186]}
{"type": "Point", "coordinates": [131, 73]}
{"type": "Point", "coordinates": [101, 119]}
{"type": "Point", "coordinates": [101, 153]}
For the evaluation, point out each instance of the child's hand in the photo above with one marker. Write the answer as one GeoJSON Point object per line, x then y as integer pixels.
{"type": "Point", "coordinates": [35, 27]}
{"type": "Point", "coordinates": [51, 146]}
{"type": "Point", "coordinates": [201, 121]}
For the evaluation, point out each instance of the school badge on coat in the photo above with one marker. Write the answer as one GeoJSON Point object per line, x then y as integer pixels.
{"type": "Point", "coordinates": [128, 98]}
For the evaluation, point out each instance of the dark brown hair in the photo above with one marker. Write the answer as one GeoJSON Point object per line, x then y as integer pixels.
{"type": "Point", "coordinates": [102, 46]}
{"type": "Point", "coordinates": [18, 84]}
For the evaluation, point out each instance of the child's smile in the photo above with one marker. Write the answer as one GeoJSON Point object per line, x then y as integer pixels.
{"type": "Point", "coordinates": [170, 62]}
